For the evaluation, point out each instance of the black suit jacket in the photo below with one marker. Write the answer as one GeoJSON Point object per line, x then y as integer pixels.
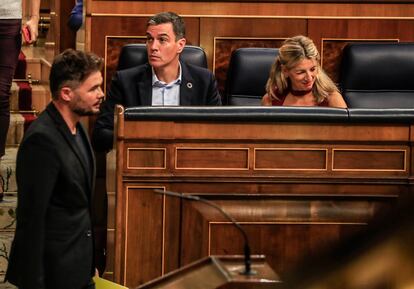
{"type": "Point", "coordinates": [53, 243]}
{"type": "Point", "coordinates": [133, 87]}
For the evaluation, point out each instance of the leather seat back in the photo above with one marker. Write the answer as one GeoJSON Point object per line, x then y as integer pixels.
{"type": "Point", "coordinates": [378, 75]}
{"type": "Point", "coordinates": [247, 75]}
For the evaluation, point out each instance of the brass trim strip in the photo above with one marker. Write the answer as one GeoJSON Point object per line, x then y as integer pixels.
{"type": "Point", "coordinates": [25, 111]}
{"type": "Point", "coordinates": [373, 150]}
{"type": "Point", "coordinates": [291, 149]}
{"type": "Point", "coordinates": [212, 148]}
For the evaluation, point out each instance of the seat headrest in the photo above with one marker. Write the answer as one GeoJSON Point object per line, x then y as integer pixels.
{"type": "Point", "coordinates": [136, 54]}
{"type": "Point", "coordinates": [248, 73]}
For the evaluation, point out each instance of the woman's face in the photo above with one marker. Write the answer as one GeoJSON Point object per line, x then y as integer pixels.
{"type": "Point", "coordinates": [302, 75]}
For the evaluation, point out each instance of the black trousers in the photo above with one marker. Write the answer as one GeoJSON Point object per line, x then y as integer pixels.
{"type": "Point", "coordinates": [10, 45]}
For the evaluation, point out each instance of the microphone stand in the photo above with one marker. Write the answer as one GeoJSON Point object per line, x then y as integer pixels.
{"type": "Point", "coordinates": [247, 259]}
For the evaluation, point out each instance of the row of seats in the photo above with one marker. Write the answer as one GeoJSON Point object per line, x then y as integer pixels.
{"type": "Point", "coordinates": [372, 75]}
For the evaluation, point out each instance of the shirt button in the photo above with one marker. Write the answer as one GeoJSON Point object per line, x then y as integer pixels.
{"type": "Point", "coordinates": [88, 233]}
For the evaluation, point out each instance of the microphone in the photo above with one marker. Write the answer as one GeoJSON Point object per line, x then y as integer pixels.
{"type": "Point", "coordinates": [247, 260]}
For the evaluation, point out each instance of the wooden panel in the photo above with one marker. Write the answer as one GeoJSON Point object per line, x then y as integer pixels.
{"type": "Point", "coordinates": [318, 196]}
{"type": "Point", "coordinates": [289, 246]}
{"type": "Point", "coordinates": [331, 35]}
{"type": "Point", "coordinates": [240, 30]}
{"type": "Point", "coordinates": [300, 8]}
{"type": "Point", "coordinates": [296, 150]}
{"type": "Point", "coordinates": [369, 160]}
{"type": "Point", "coordinates": [113, 46]}
{"type": "Point", "coordinates": [110, 255]}
{"type": "Point", "coordinates": [146, 158]}
{"type": "Point", "coordinates": [109, 24]}
{"type": "Point", "coordinates": [212, 158]}
{"type": "Point", "coordinates": [288, 159]}
{"type": "Point", "coordinates": [295, 132]}
{"type": "Point", "coordinates": [272, 186]}
{"type": "Point", "coordinates": [144, 237]}
{"type": "Point", "coordinates": [245, 159]}
{"type": "Point", "coordinates": [284, 230]}
{"type": "Point", "coordinates": [113, 26]}
{"type": "Point", "coordinates": [360, 29]}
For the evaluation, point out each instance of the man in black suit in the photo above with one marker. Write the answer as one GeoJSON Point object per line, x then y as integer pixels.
{"type": "Point", "coordinates": [55, 173]}
{"type": "Point", "coordinates": [164, 80]}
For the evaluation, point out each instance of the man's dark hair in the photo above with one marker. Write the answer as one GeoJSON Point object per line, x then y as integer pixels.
{"type": "Point", "coordinates": [169, 17]}
{"type": "Point", "coordinates": [71, 68]}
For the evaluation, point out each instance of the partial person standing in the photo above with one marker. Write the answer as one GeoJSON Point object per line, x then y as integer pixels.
{"type": "Point", "coordinates": [55, 172]}
{"type": "Point", "coordinates": [163, 81]}
{"type": "Point", "coordinates": [297, 78]}
{"type": "Point", "coordinates": [10, 45]}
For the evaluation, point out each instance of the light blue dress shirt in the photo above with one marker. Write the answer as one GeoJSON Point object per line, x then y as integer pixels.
{"type": "Point", "coordinates": [165, 94]}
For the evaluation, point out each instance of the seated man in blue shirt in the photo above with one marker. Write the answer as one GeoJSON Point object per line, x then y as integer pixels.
{"type": "Point", "coordinates": [164, 80]}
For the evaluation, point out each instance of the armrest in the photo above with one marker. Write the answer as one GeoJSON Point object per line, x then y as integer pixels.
{"type": "Point", "coordinates": [238, 113]}
{"type": "Point", "coordinates": [390, 115]}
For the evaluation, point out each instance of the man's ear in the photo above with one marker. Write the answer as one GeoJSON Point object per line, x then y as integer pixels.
{"type": "Point", "coordinates": [181, 43]}
{"type": "Point", "coordinates": [66, 93]}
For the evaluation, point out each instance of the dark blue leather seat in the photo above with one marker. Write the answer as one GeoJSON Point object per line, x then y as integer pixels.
{"type": "Point", "coordinates": [378, 75]}
{"type": "Point", "coordinates": [247, 75]}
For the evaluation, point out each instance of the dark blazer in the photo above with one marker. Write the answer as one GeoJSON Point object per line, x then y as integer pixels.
{"type": "Point", "coordinates": [53, 243]}
{"type": "Point", "coordinates": [133, 87]}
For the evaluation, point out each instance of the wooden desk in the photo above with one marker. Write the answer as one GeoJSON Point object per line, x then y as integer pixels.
{"type": "Point", "coordinates": [295, 186]}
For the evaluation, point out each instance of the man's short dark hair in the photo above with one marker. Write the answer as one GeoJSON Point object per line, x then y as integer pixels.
{"type": "Point", "coordinates": [169, 17]}
{"type": "Point", "coordinates": [71, 68]}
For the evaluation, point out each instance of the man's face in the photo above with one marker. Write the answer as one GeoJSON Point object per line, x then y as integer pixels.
{"type": "Point", "coordinates": [88, 96]}
{"type": "Point", "coordinates": [162, 47]}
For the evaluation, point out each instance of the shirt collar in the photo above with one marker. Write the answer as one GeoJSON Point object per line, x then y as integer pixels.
{"type": "Point", "coordinates": [157, 82]}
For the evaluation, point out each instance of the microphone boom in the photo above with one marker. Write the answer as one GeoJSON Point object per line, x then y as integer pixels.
{"type": "Point", "coordinates": [247, 259]}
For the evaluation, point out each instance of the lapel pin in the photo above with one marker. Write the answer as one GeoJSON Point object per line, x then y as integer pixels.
{"type": "Point", "coordinates": [189, 85]}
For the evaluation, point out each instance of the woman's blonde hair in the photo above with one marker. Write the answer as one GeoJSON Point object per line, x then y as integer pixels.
{"type": "Point", "coordinates": [291, 52]}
